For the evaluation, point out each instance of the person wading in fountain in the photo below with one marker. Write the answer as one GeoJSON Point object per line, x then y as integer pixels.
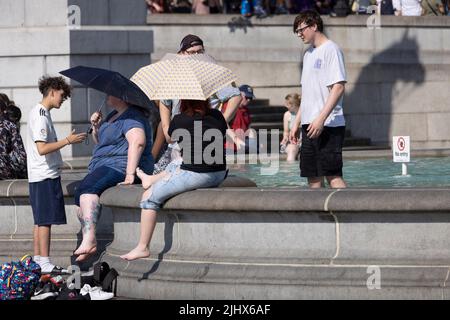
{"type": "Point", "coordinates": [321, 115]}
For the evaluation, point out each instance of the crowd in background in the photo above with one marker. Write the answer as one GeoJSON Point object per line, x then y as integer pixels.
{"type": "Point", "coordinates": [263, 8]}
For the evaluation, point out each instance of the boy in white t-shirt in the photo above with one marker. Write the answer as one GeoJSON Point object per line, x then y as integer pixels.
{"type": "Point", "coordinates": [44, 167]}
{"type": "Point", "coordinates": [321, 114]}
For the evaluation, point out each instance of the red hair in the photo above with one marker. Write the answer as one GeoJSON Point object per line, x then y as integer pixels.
{"type": "Point", "coordinates": [190, 107]}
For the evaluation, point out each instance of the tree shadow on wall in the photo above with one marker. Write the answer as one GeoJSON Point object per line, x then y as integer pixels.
{"type": "Point", "coordinates": [369, 107]}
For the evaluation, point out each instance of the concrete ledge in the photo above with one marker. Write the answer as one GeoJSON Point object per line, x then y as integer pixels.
{"type": "Point", "coordinates": [242, 242]}
{"type": "Point", "coordinates": [230, 199]}
{"type": "Point", "coordinates": [16, 238]}
{"type": "Point", "coordinates": [410, 200]}
{"type": "Point", "coordinates": [183, 280]}
{"type": "Point", "coordinates": [17, 218]}
{"type": "Point", "coordinates": [253, 243]}
{"type": "Point", "coordinates": [287, 20]}
{"type": "Point", "coordinates": [294, 199]}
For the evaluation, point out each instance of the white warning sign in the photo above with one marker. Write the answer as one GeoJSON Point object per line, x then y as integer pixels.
{"type": "Point", "coordinates": [401, 148]}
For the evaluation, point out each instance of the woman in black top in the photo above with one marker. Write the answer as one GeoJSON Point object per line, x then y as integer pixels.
{"type": "Point", "coordinates": [200, 131]}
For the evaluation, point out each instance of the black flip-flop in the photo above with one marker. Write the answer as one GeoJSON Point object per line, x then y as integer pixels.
{"type": "Point", "coordinates": [57, 270]}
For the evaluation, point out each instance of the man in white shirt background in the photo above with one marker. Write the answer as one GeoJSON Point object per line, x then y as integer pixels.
{"type": "Point", "coordinates": [321, 110]}
{"type": "Point", "coordinates": [407, 7]}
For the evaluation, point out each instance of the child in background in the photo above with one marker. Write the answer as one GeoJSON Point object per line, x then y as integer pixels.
{"type": "Point", "coordinates": [292, 103]}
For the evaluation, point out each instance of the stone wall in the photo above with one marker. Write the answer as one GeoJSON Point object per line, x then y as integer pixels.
{"type": "Point", "coordinates": [16, 216]}
{"type": "Point", "coordinates": [287, 244]}
{"type": "Point", "coordinates": [43, 37]}
{"type": "Point", "coordinates": [253, 243]}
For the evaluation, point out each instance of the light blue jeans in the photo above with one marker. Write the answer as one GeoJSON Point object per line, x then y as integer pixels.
{"type": "Point", "coordinates": [177, 181]}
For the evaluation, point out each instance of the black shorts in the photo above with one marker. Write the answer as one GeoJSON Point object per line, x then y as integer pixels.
{"type": "Point", "coordinates": [322, 156]}
{"type": "Point", "coordinates": [47, 202]}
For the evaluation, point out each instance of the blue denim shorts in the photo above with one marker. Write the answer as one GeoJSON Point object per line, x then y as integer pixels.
{"type": "Point", "coordinates": [98, 181]}
{"type": "Point", "coordinates": [177, 181]}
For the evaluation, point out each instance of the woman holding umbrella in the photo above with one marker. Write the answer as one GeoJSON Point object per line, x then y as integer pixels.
{"type": "Point", "coordinates": [121, 139]}
{"type": "Point", "coordinates": [203, 164]}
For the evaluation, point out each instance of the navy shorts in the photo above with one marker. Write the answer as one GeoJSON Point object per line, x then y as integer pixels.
{"type": "Point", "coordinates": [98, 181]}
{"type": "Point", "coordinates": [47, 202]}
{"type": "Point", "coordinates": [322, 156]}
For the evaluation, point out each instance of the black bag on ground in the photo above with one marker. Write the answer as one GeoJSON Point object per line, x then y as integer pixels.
{"type": "Point", "coordinates": [103, 276]}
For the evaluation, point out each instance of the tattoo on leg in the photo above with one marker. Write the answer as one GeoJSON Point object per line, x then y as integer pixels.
{"type": "Point", "coordinates": [88, 223]}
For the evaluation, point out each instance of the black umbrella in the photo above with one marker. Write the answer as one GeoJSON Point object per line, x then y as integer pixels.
{"type": "Point", "coordinates": [111, 83]}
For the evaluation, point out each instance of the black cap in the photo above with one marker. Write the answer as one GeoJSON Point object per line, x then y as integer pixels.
{"type": "Point", "coordinates": [247, 90]}
{"type": "Point", "coordinates": [190, 41]}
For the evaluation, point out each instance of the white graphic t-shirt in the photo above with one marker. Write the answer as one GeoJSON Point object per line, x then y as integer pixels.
{"type": "Point", "coordinates": [40, 128]}
{"type": "Point", "coordinates": [322, 67]}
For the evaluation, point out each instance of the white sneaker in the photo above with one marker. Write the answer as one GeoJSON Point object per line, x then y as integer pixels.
{"type": "Point", "coordinates": [96, 293]}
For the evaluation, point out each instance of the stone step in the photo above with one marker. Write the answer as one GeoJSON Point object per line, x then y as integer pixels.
{"type": "Point", "coordinates": [264, 110]}
{"type": "Point", "coordinates": [266, 117]}
{"type": "Point", "coordinates": [257, 109]}
{"type": "Point", "coordinates": [259, 102]}
{"type": "Point", "coordinates": [267, 125]}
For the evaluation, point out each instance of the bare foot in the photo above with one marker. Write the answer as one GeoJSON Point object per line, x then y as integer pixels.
{"type": "Point", "coordinates": [147, 180]}
{"type": "Point", "coordinates": [83, 257]}
{"type": "Point", "coordinates": [86, 249]}
{"type": "Point", "coordinates": [136, 253]}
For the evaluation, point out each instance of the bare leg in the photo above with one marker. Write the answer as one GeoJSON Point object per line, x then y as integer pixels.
{"type": "Point", "coordinates": [37, 252]}
{"type": "Point", "coordinates": [147, 179]}
{"type": "Point", "coordinates": [44, 240]}
{"type": "Point", "coordinates": [315, 182]}
{"type": "Point", "coordinates": [148, 223]}
{"type": "Point", "coordinates": [336, 182]}
{"type": "Point", "coordinates": [88, 215]}
{"type": "Point", "coordinates": [291, 150]}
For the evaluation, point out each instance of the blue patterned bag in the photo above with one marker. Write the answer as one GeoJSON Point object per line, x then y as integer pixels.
{"type": "Point", "coordinates": [19, 279]}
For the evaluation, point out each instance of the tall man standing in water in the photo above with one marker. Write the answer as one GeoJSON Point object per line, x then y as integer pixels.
{"type": "Point", "coordinates": [321, 115]}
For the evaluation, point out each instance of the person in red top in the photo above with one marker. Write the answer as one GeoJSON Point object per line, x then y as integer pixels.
{"type": "Point", "coordinates": [241, 123]}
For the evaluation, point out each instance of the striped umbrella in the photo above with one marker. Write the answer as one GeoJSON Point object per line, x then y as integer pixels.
{"type": "Point", "coordinates": [193, 77]}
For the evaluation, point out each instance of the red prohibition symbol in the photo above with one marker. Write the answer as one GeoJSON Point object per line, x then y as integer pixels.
{"type": "Point", "coordinates": [401, 144]}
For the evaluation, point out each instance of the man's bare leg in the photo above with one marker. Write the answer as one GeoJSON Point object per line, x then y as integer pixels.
{"type": "Point", "coordinates": [315, 182]}
{"type": "Point", "coordinates": [336, 182]}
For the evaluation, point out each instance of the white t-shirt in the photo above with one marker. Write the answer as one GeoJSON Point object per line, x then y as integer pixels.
{"type": "Point", "coordinates": [40, 128]}
{"type": "Point", "coordinates": [322, 67]}
{"type": "Point", "coordinates": [408, 7]}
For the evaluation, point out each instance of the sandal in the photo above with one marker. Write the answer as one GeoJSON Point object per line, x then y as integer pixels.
{"type": "Point", "coordinates": [57, 271]}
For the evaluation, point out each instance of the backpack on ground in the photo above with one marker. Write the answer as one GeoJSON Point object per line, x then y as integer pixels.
{"type": "Point", "coordinates": [18, 279]}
